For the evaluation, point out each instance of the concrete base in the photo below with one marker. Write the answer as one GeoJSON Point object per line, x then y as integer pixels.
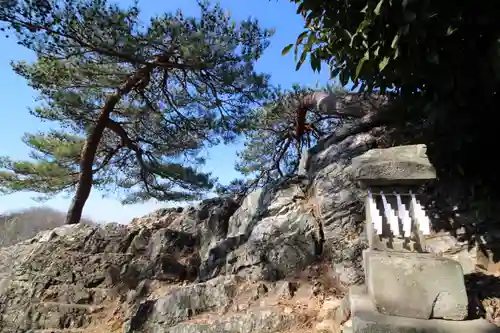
{"type": "Point", "coordinates": [415, 285]}
{"type": "Point", "coordinates": [366, 319]}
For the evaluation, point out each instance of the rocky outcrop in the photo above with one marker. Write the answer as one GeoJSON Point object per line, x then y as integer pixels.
{"type": "Point", "coordinates": [162, 277]}
{"type": "Point", "coordinates": [277, 261]}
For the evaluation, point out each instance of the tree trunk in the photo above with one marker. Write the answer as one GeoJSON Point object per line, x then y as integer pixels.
{"type": "Point", "coordinates": [89, 150]}
{"type": "Point", "coordinates": [85, 178]}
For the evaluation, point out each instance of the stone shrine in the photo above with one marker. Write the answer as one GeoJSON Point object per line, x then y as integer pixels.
{"type": "Point", "coordinates": [406, 288]}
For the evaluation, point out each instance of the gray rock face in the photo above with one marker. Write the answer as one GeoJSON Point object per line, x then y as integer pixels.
{"type": "Point", "coordinates": [268, 237]}
{"type": "Point", "coordinates": [71, 277]}
{"type": "Point", "coordinates": [66, 274]}
{"type": "Point", "coordinates": [182, 303]}
{"type": "Point", "coordinates": [338, 199]}
{"type": "Point", "coordinates": [416, 285]}
{"type": "Point", "coordinates": [402, 164]}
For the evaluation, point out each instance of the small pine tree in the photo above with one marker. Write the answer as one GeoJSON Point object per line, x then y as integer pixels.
{"type": "Point", "coordinates": [278, 132]}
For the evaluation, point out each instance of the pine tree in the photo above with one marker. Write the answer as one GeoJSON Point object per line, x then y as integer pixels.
{"type": "Point", "coordinates": [293, 121]}
{"type": "Point", "coordinates": [133, 105]}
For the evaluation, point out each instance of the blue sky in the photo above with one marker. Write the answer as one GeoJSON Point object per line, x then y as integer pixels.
{"type": "Point", "coordinates": [16, 97]}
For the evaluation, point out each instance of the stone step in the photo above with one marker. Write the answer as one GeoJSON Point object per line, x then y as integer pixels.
{"type": "Point", "coordinates": [366, 319]}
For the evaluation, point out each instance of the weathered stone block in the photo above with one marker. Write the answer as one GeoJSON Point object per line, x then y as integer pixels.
{"type": "Point", "coordinates": [401, 165]}
{"type": "Point", "coordinates": [416, 285]}
{"type": "Point", "coordinates": [366, 319]}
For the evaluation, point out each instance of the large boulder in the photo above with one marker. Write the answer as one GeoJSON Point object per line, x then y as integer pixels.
{"type": "Point", "coordinates": [269, 237]}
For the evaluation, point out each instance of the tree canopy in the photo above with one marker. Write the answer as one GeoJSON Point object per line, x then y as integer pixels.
{"type": "Point", "coordinates": [427, 47]}
{"type": "Point", "coordinates": [133, 104]}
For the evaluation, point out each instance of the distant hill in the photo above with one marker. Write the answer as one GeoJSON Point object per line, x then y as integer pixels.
{"type": "Point", "coordinates": [24, 224]}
